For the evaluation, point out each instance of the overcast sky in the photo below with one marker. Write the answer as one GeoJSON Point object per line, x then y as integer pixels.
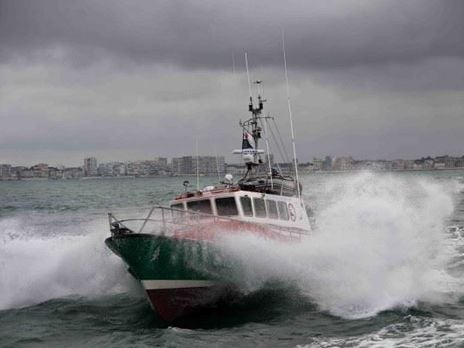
{"type": "Point", "coordinates": [127, 80]}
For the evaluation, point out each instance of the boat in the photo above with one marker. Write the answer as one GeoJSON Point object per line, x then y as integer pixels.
{"type": "Point", "coordinates": [175, 251]}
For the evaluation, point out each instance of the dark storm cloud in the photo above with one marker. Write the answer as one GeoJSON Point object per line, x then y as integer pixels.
{"type": "Point", "coordinates": [133, 79]}
{"type": "Point", "coordinates": [204, 34]}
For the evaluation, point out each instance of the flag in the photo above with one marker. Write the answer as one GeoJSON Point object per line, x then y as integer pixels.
{"type": "Point", "coordinates": [248, 142]}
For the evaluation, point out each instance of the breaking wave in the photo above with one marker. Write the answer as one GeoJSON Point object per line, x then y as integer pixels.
{"type": "Point", "coordinates": [381, 243]}
{"type": "Point", "coordinates": [35, 267]}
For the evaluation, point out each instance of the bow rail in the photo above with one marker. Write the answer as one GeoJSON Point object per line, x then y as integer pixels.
{"type": "Point", "coordinates": [172, 221]}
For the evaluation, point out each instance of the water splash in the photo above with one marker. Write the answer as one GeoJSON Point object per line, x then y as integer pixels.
{"type": "Point", "coordinates": [35, 267]}
{"type": "Point", "coordinates": [378, 246]}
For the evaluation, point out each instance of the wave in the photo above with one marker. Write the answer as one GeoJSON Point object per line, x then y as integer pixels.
{"type": "Point", "coordinates": [381, 243]}
{"type": "Point", "coordinates": [35, 267]}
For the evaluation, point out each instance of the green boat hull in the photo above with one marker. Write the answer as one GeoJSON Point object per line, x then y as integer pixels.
{"type": "Point", "coordinates": [179, 275]}
{"type": "Point", "coordinates": [159, 257]}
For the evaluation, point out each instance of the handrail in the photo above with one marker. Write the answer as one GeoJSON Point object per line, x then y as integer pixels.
{"type": "Point", "coordinates": [118, 226]}
{"type": "Point", "coordinates": [145, 222]}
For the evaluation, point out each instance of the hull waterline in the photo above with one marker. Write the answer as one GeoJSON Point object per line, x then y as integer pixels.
{"type": "Point", "coordinates": [179, 276]}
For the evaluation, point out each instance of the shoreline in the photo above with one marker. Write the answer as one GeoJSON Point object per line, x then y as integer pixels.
{"type": "Point", "coordinates": [85, 178]}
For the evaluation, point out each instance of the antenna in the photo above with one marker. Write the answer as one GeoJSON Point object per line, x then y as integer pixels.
{"type": "Point", "coordinates": [248, 75]}
{"type": "Point", "coordinates": [266, 138]}
{"type": "Point", "coordinates": [291, 117]}
{"type": "Point", "coordinates": [198, 167]}
{"type": "Point", "coordinates": [217, 163]}
{"type": "Point", "coordinates": [263, 122]}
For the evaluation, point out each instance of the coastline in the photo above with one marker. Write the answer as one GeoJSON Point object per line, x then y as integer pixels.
{"type": "Point", "coordinates": [317, 172]}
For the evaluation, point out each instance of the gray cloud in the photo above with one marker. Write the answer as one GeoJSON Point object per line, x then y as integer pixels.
{"type": "Point", "coordinates": [125, 79]}
{"type": "Point", "coordinates": [205, 34]}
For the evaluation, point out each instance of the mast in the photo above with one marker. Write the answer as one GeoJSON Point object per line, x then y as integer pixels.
{"type": "Point", "coordinates": [251, 130]}
{"type": "Point", "coordinates": [198, 166]}
{"type": "Point", "coordinates": [254, 180]}
{"type": "Point", "coordinates": [248, 76]}
{"type": "Point", "coordinates": [295, 163]}
{"type": "Point", "coordinates": [252, 127]}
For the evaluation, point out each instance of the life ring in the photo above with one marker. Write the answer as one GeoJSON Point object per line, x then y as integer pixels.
{"type": "Point", "coordinates": [291, 212]}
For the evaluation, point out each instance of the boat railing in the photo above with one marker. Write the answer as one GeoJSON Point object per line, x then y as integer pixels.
{"type": "Point", "coordinates": [172, 221]}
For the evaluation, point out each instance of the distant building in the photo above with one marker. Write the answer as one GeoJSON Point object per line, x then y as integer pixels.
{"type": "Point", "coordinates": [449, 162]}
{"type": "Point", "coordinates": [327, 163]}
{"type": "Point", "coordinates": [182, 165]}
{"type": "Point", "coordinates": [408, 164]}
{"type": "Point", "coordinates": [459, 163]}
{"type": "Point", "coordinates": [162, 162]}
{"type": "Point", "coordinates": [5, 171]}
{"type": "Point", "coordinates": [55, 173]}
{"type": "Point", "coordinates": [208, 165]}
{"type": "Point", "coordinates": [453, 162]}
{"type": "Point", "coordinates": [90, 166]}
{"type": "Point", "coordinates": [40, 170]}
{"type": "Point", "coordinates": [104, 169]}
{"type": "Point", "coordinates": [343, 163]}
{"type": "Point", "coordinates": [119, 168]}
{"type": "Point", "coordinates": [133, 168]}
{"type": "Point", "coordinates": [21, 172]}
{"type": "Point", "coordinates": [175, 165]}
{"type": "Point", "coordinates": [317, 164]}
{"type": "Point", "coordinates": [428, 163]}
{"type": "Point", "coordinates": [424, 163]}
{"type": "Point", "coordinates": [73, 173]}
{"type": "Point", "coordinates": [401, 164]}
{"type": "Point", "coordinates": [17, 172]}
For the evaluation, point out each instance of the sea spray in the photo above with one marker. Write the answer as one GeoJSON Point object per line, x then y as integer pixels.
{"type": "Point", "coordinates": [378, 246]}
{"type": "Point", "coordinates": [35, 268]}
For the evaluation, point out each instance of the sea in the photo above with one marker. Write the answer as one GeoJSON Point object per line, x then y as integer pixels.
{"type": "Point", "coordinates": [384, 267]}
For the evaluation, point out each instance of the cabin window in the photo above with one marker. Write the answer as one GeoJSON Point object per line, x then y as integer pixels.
{"type": "Point", "coordinates": [226, 206]}
{"type": "Point", "coordinates": [246, 206]}
{"type": "Point", "coordinates": [260, 208]}
{"type": "Point", "coordinates": [178, 206]}
{"type": "Point", "coordinates": [283, 210]}
{"type": "Point", "coordinates": [176, 214]}
{"type": "Point", "coordinates": [203, 206]}
{"type": "Point", "coordinates": [272, 209]}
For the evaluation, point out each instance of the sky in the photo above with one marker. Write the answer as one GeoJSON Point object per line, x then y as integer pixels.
{"type": "Point", "coordinates": [136, 79]}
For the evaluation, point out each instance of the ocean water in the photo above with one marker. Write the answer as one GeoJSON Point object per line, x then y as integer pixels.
{"type": "Point", "coordinates": [383, 268]}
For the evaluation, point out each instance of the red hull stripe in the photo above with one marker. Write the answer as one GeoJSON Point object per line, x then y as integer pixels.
{"type": "Point", "coordinates": [176, 284]}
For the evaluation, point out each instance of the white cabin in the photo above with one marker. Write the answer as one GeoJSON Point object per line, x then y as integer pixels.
{"type": "Point", "coordinates": [248, 206]}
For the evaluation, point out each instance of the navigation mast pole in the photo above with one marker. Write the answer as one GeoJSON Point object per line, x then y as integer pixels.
{"type": "Point", "coordinates": [254, 112]}
{"type": "Point", "coordinates": [198, 167]}
{"type": "Point", "coordinates": [248, 76]}
{"type": "Point", "coordinates": [291, 117]}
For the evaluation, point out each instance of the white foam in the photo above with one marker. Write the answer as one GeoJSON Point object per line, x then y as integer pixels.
{"type": "Point", "coordinates": [421, 332]}
{"type": "Point", "coordinates": [35, 268]}
{"type": "Point", "coordinates": [379, 245]}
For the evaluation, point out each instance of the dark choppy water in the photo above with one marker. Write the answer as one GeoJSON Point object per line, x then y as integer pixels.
{"type": "Point", "coordinates": [384, 268]}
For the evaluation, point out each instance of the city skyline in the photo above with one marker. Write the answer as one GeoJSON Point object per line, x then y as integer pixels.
{"type": "Point", "coordinates": [236, 160]}
{"type": "Point", "coordinates": [215, 165]}
{"type": "Point", "coordinates": [381, 79]}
